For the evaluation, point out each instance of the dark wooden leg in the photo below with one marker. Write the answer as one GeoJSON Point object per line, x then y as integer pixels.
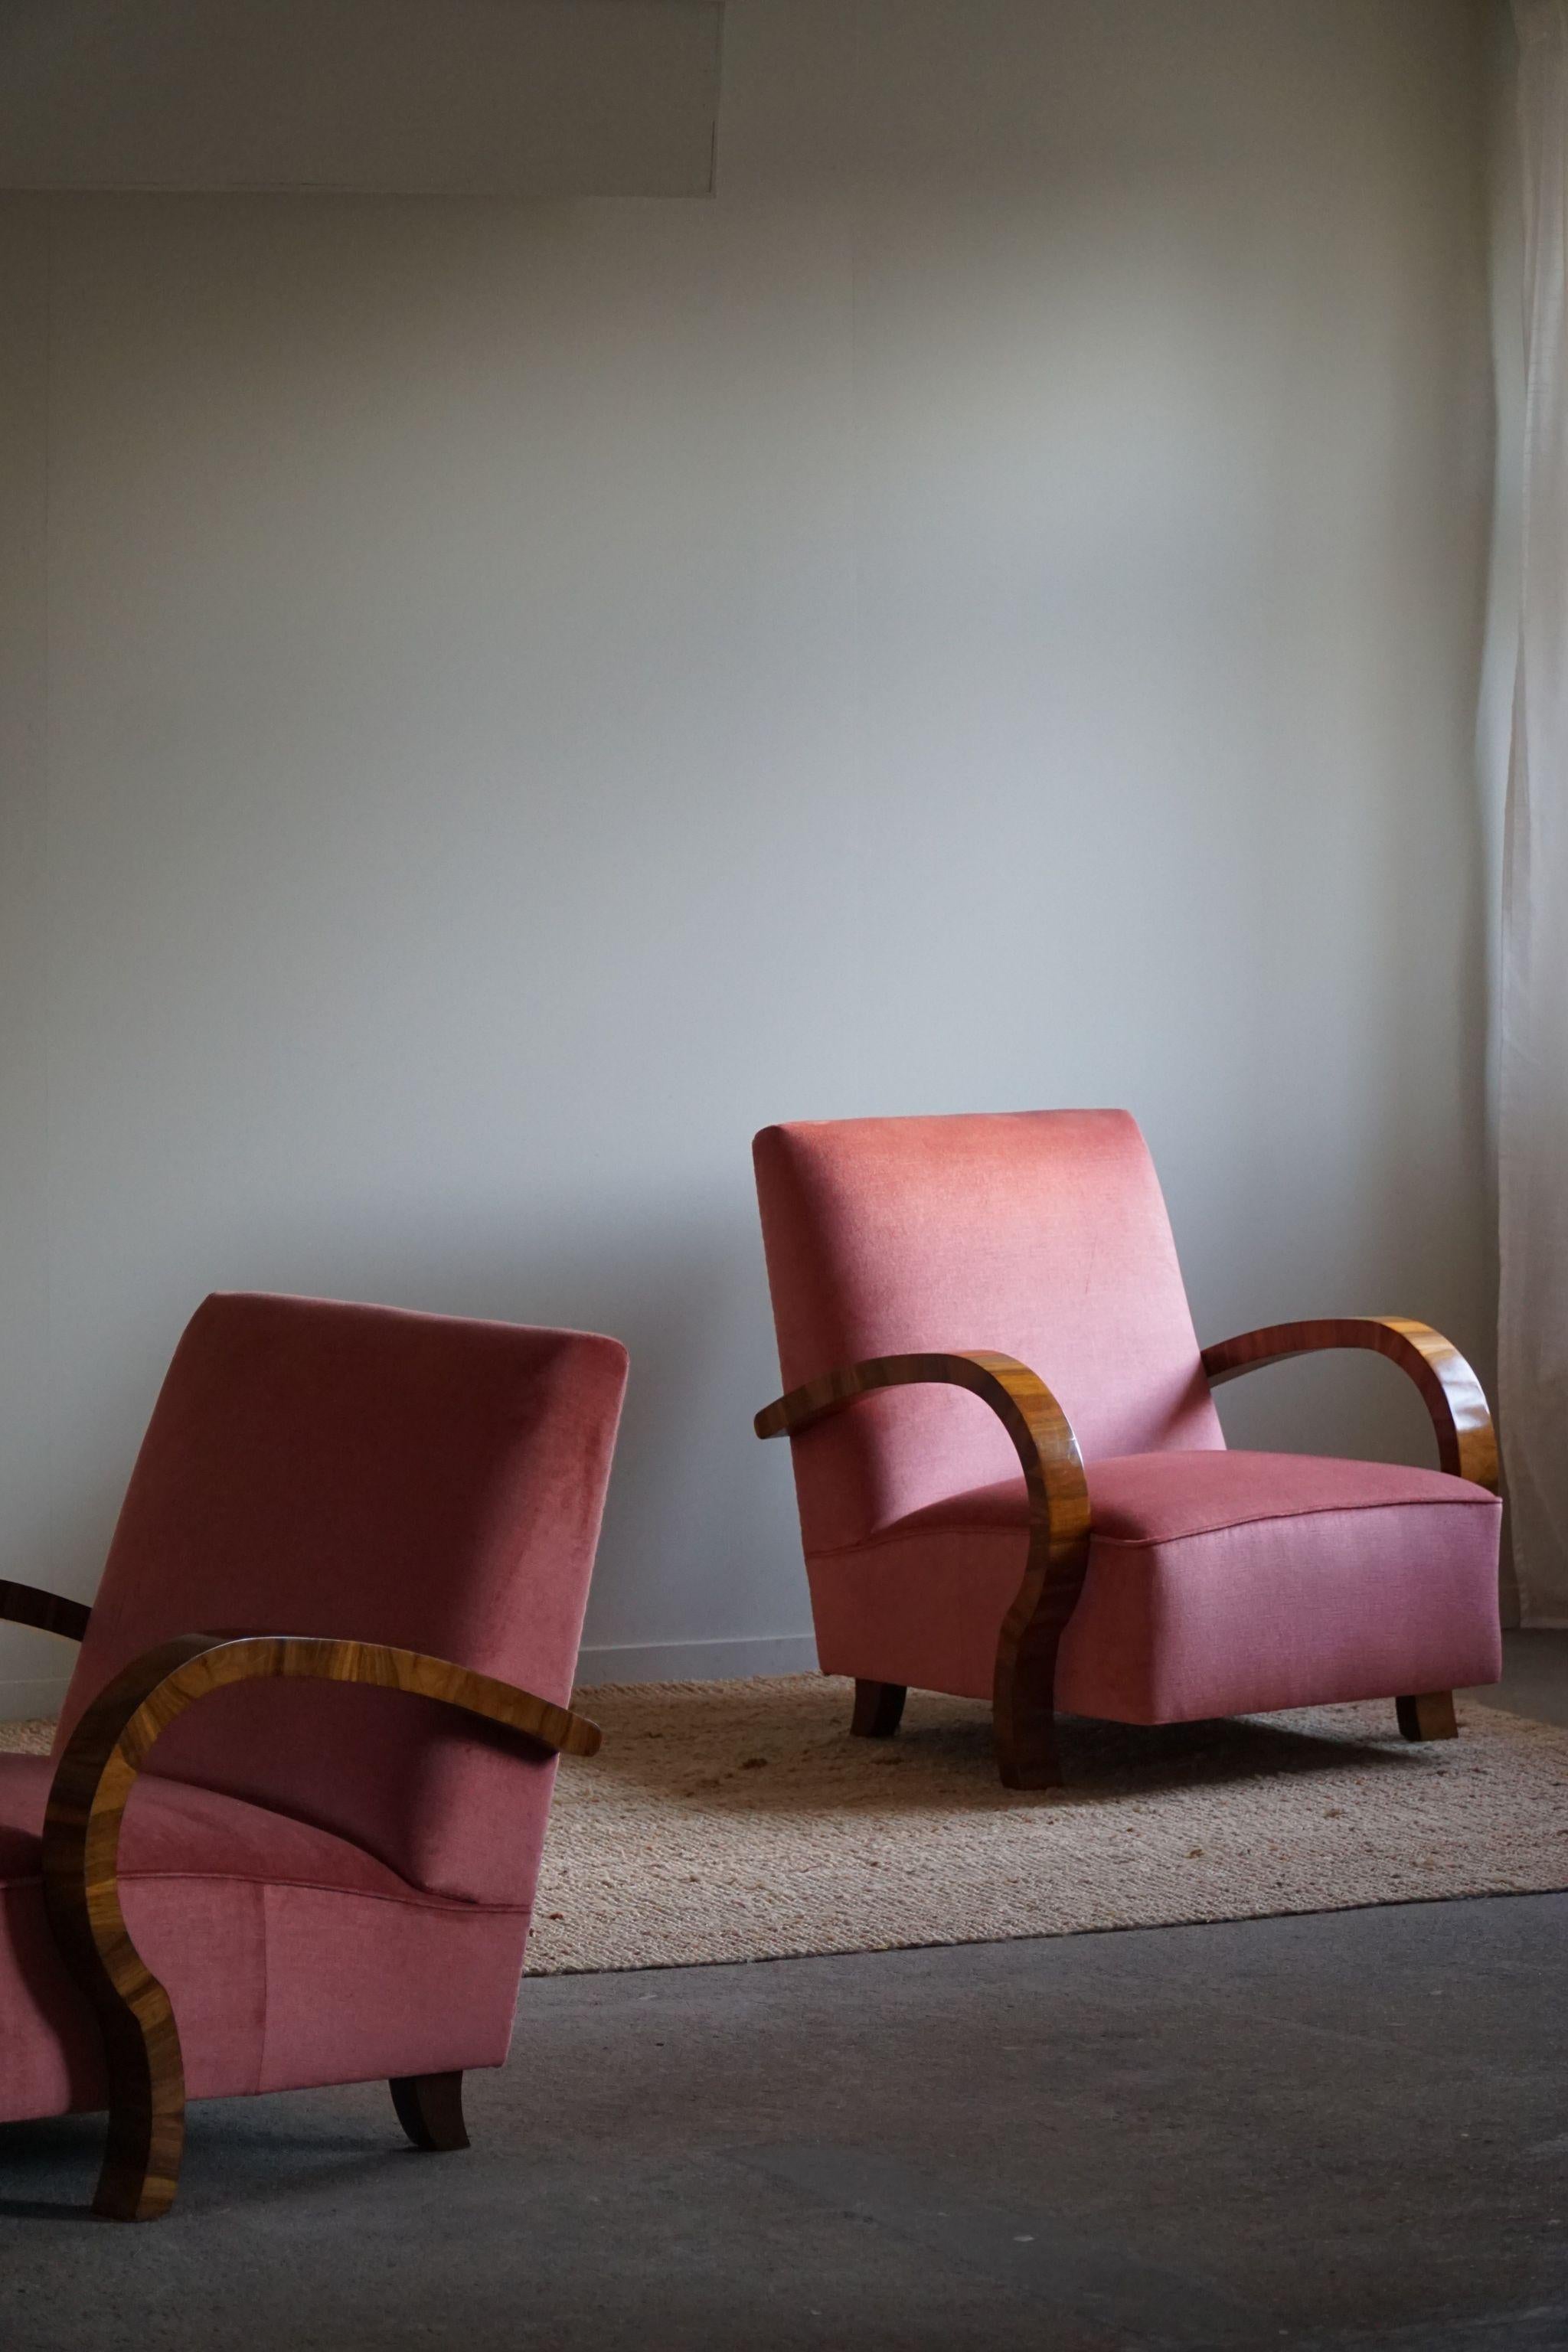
{"type": "Point", "coordinates": [430, 2109]}
{"type": "Point", "coordinates": [1024, 1712]}
{"type": "Point", "coordinates": [1024, 1686]}
{"type": "Point", "coordinates": [1024, 1728]}
{"type": "Point", "coordinates": [1429, 1715]}
{"type": "Point", "coordinates": [878, 1708]}
{"type": "Point", "coordinates": [146, 2123]}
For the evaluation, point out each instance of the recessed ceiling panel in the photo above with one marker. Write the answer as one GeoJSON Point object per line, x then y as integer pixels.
{"type": "Point", "coordinates": [537, 98]}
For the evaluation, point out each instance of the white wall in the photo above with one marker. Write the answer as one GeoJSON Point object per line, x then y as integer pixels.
{"type": "Point", "coordinates": [501, 700]}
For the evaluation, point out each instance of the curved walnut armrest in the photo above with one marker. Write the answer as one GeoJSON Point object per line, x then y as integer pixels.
{"type": "Point", "coordinates": [1466, 1445]}
{"type": "Point", "coordinates": [92, 1782]}
{"type": "Point", "coordinates": [1039, 1429]}
{"type": "Point", "coordinates": [26, 1604]}
{"type": "Point", "coordinates": [1059, 1524]}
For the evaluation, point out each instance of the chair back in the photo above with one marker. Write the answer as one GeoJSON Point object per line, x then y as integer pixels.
{"type": "Point", "coordinates": [1038, 1234]}
{"type": "Point", "coordinates": [356, 1472]}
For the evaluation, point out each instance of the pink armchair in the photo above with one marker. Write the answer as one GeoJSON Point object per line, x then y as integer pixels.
{"type": "Point", "coordinates": [230, 1879]}
{"type": "Point", "coordinates": [1090, 1546]}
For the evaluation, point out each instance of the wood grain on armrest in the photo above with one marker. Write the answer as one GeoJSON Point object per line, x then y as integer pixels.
{"type": "Point", "coordinates": [1467, 1443]}
{"type": "Point", "coordinates": [93, 1779]}
{"type": "Point", "coordinates": [26, 1604]}
{"type": "Point", "coordinates": [1058, 1554]}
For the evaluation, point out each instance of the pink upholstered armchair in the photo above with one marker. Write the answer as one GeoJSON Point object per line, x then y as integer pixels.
{"type": "Point", "coordinates": [1088, 1545]}
{"type": "Point", "coordinates": [307, 1884]}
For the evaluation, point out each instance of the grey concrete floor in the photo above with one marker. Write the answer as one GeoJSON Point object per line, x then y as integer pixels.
{"type": "Point", "coordinates": [1345, 2130]}
{"type": "Point", "coordinates": [1534, 1677]}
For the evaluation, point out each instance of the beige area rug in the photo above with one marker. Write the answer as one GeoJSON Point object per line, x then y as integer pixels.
{"type": "Point", "coordinates": [739, 1822]}
{"type": "Point", "coordinates": [26, 1739]}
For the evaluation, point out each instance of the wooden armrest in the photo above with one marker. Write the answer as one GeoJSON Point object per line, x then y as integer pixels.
{"type": "Point", "coordinates": [1057, 1558]}
{"type": "Point", "coordinates": [1467, 1443]}
{"type": "Point", "coordinates": [1039, 1429]}
{"type": "Point", "coordinates": [25, 1604]}
{"type": "Point", "coordinates": [93, 1780]}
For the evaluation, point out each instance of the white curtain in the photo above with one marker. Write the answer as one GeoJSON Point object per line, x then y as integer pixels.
{"type": "Point", "coordinates": [1534, 1108]}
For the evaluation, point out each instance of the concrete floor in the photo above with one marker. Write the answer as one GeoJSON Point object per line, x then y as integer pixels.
{"type": "Point", "coordinates": [1534, 1677]}
{"type": "Point", "coordinates": [1346, 2130]}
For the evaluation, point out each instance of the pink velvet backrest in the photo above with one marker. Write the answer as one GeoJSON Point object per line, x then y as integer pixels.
{"type": "Point", "coordinates": [353, 1471]}
{"type": "Point", "coordinates": [1039, 1234]}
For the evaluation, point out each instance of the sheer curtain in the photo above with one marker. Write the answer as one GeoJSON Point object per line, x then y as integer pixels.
{"type": "Point", "coordinates": [1533, 1106]}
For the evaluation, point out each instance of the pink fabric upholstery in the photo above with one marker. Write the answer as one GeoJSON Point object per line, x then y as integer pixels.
{"type": "Point", "coordinates": [172, 1830]}
{"type": "Point", "coordinates": [318, 1468]}
{"type": "Point", "coordinates": [1041, 1235]}
{"type": "Point", "coordinates": [1219, 1583]}
{"type": "Point", "coordinates": [332, 1882]}
{"type": "Point", "coordinates": [290, 1956]}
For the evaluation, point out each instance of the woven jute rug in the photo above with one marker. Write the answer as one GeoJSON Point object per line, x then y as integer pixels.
{"type": "Point", "coordinates": [26, 1739]}
{"type": "Point", "coordinates": [739, 1822]}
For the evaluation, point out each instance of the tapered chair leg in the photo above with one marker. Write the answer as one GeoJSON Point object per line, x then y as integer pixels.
{"type": "Point", "coordinates": [1429, 1715]}
{"type": "Point", "coordinates": [1026, 1755]}
{"type": "Point", "coordinates": [1024, 1728]}
{"type": "Point", "coordinates": [878, 1710]}
{"type": "Point", "coordinates": [146, 2124]}
{"type": "Point", "coordinates": [1024, 1690]}
{"type": "Point", "coordinates": [430, 2109]}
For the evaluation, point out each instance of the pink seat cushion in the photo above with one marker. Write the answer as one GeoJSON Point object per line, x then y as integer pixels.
{"type": "Point", "coordinates": [1218, 1583]}
{"type": "Point", "coordinates": [291, 1955]}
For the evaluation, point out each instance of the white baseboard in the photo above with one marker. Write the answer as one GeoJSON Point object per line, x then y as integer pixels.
{"type": "Point", "coordinates": [25, 1701]}
{"type": "Point", "coordinates": [696, 1662]}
